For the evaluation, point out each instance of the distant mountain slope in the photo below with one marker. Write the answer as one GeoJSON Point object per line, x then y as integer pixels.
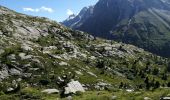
{"type": "Point", "coordinates": [144, 23]}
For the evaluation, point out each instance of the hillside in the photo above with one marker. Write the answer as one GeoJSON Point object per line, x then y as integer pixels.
{"type": "Point", "coordinates": [144, 23]}
{"type": "Point", "coordinates": [38, 54]}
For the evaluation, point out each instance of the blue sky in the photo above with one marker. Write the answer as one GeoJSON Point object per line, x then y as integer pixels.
{"type": "Point", "coordinates": [54, 9]}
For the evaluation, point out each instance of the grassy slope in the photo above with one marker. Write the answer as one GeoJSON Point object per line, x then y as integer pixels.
{"type": "Point", "coordinates": [128, 64]}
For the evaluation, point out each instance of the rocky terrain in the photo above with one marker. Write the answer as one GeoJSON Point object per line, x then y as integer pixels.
{"type": "Point", "coordinates": [42, 60]}
{"type": "Point", "coordinates": [144, 23]}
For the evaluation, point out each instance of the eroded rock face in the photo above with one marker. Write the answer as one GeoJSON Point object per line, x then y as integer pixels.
{"type": "Point", "coordinates": [73, 87]}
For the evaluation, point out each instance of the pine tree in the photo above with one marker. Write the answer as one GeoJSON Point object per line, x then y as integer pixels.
{"type": "Point", "coordinates": [147, 83]}
{"type": "Point", "coordinates": [157, 85]}
{"type": "Point", "coordinates": [168, 68]}
{"type": "Point", "coordinates": [168, 84]}
{"type": "Point", "coordinates": [121, 85]}
{"type": "Point", "coordinates": [164, 76]}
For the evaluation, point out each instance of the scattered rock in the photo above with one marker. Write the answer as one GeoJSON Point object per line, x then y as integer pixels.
{"type": "Point", "coordinates": [4, 73]}
{"type": "Point", "coordinates": [163, 98]}
{"type": "Point", "coordinates": [101, 85]}
{"type": "Point", "coordinates": [147, 98]}
{"type": "Point", "coordinates": [1, 33]}
{"type": "Point", "coordinates": [26, 47]}
{"type": "Point", "coordinates": [129, 90]}
{"type": "Point", "coordinates": [92, 74]}
{"type": "Point", "coordinates": [23, 56]}
{"type": "Point", "coordinates": [11, 57]}
{"type": "Point", "coordinates": [50, 91]}
{"type": "Point", "coordinates": [1, 51]}
{"type": "Point", "coordinates": [69, 98]}
{"type": "Point", "coordinates": [10, 89]}
{"type": "Point", "coordinates": [26, 75]}
{"type": "Point", "coordinates": [14, 71]}
{"type": "Point", "coordinates": [63, 64]}
{"type": "Point", "coordinates": [114, 97]}
{"type": "Point", "coordinates": [78, 72]}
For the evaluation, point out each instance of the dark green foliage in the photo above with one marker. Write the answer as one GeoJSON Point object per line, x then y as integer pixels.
{"type": "Point", "coordinates": [100, 63]}
{"type": "Point", "coordinates": [157, 84]}
{"type": "Point", "coordinates": [155, 71]}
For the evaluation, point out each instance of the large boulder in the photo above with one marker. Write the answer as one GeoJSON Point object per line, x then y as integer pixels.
{"type": "Point", "coordinates": [73, 87]}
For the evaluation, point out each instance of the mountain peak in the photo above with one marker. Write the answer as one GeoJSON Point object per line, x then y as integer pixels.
{"type": "Point", "coordinates": [71, 17]}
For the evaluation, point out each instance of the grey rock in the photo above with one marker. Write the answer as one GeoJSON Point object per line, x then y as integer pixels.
{"type": "Point", "coordinates": [26, 75]}
{"type": "Point", "coordinates": [11, 57]}
{"type": "Point", "coordinates": [50, 91]}
{"type": "Point", "coordinates": [14, 71]}
{"type": "Point", "coordinates": [63, 64]}
{"type": "Point", "coordinates": [4, 73]}
{"type": "Point", "coordinates": [69, 98]}
{"type": "Point", "coordinates": [10, 89]}
{"type": "Point", "coordinates": [147, 98]}
{"type": "Point", "coordinates": [114, 98]}
{"type": "Point", "coordinates": [73, 87]}
{"type": "Point", "coordinates": [1, 51]}
{"type": "Point", "coordinates": [24, 56]}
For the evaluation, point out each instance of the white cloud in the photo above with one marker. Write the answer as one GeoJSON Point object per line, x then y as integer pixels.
{"type": "Point", "coordinates": [41, 9]}
{"type": "Point", "coordinates": [69, 12]}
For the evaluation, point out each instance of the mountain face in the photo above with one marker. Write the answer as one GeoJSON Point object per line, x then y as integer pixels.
{"type": "Point", "coordinates": [144, 23]}
{"type": "Point", "coordinates": [39, 57]}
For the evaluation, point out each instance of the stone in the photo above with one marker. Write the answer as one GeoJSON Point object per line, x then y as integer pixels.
{"type": "Point", "coordinates": [101, 85]}
{"type": "Point", "coordinates": [92, 74]}
{"type": "Point", "coordinates": [63, 64]}
{"type": "Point", "coordinates": [4, 73]}
{"type": "Point", "coordinates": [78, 72]}
{"type": "Point", "coordinates": [10, 89]}
{"type": "Point", "coordinates": [73, 87]}
{"type": "Point", "coordinates": [50, 91]}
{"type": "Point", "coordinates": [19, 80]}
{"type": "Point", "coordinates": [12, 57]}
{"type": "Point", "coordinates": [24, 56]}
{"type": "Point", "coordinates": [1, 33]}
{"type": "Point", "coordinates": [1, 51]}
{"type": "Point", "coordinates": [164, 98]}
{"type": "Point", "coordinates": [147, 98]}
{"type": "Point", "coordinates": [114, 97]}
{"type": "Point", "coordinates": [69, 98]}
{"type": "Point", "coordinates": [26, 75]}
{"type": "Point", "coordinates": [129, 90]}
{"type": "Point", "coordinates": [26, 47]}
{"type": "Point", "coordinates": [14, 71]}
{"type": "Point", "coordinates": [92, 57]}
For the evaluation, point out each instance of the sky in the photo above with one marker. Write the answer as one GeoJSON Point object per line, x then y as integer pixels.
{"type": "Point", "coordinates": [57, 10]}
